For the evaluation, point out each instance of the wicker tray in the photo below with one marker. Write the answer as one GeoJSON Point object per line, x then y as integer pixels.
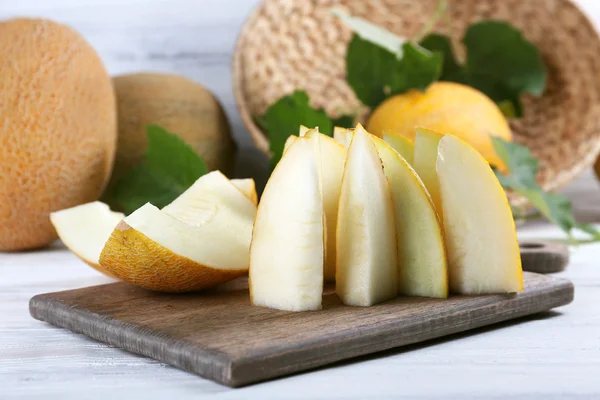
{"type": "Point", "coordinates": [297, 44]}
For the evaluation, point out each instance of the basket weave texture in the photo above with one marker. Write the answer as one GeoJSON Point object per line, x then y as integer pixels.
{"type": "Point", "coordinates": [297, 44]}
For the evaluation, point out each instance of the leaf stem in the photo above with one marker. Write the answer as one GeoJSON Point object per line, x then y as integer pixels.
{"type": "Point", "coordinates": [440, 11]}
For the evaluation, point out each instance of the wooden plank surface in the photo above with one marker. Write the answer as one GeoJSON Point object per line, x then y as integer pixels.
{"type": "Point", "coordinates": [219, 335]}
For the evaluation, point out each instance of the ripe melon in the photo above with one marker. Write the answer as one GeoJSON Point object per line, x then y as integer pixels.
{"type": "Point", "coordinates": [179, 105]}
{"type": "Point", "coordinates": [446, 107]}
{"type": "Point", "coordinates": [58, 135]}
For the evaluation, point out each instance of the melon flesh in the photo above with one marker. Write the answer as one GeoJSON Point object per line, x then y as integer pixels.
{"type": "Point", "coordinates": [247, 187]}
{"type": "Point", "coordinates": [366, 271]}
{"type": "Point", "coordinates": [422, 269]}
{"type": "Point", "coordinates": [332, 160]}
{"type": "Point", "coordinates": [287, 251]}
{"type": "Point", "coordinates": [343, 136]}
{"type": "Point", "coordinates": [85, 229]}
{"type": "Point", "coordinates": [425, 157]}
{"type": "Point", "coordinates": [403, 145]}
{"type": "Point", "coordinates": [483, 251]}
{"type": "Point", "coordinates": [199, 240]}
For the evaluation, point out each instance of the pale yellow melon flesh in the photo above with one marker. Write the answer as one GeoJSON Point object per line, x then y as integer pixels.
{"type": "Point", "coordinates": [247, 187]}
{"type": "Point", "coordinates": [422, 269]}
{"type": "Point", "coordinates": [403, 145]}
{"type": "Point", "coordinates": [343, 136]}
{"type": "Point", "coordinates": [425, 156]}
{"type": "Point", "coordinates": [333, 157]}
{"type": "Point", "coordinates": [287, 251]}
{"type": "Point", "coordinates": [483, 251]}
{"type": "Point", "coordinates": [85, 229]}
{"type": "Point", "coordinates": [288, 142]}
{"type": "Point", "coordinates": [199, 240]}
{"type": "Point", "coordinates": [366, 271]}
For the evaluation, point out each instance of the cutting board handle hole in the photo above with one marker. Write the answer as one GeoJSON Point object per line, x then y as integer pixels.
{"type": "Point", "coordinates": [531, 245]}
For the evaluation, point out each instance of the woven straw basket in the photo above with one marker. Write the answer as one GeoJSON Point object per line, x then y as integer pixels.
{"type": "Point", "coordinates": [298, 44]}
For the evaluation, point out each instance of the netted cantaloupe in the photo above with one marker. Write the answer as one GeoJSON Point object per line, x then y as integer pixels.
{"type": "Point", "coordinates": [57, 128]}
{"type": "Point", "coordinates": [179, 105]}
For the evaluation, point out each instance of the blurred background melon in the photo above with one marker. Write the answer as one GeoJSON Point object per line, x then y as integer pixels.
{"type": "Point", "coordinates": [59, 127]}
{"type": "Point", "coordinates": [181, 106]}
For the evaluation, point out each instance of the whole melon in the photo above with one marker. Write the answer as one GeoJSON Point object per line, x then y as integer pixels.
{"type": "Point", "coordinates": [179, 105]}
{"type": "Point", "coordinates": [445, 107]}
{"type": "Point", "coordinates": [57, 128]}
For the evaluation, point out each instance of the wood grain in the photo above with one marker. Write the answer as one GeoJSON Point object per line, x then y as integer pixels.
{"type": "Point", "coordinates": [543, 257]}
{"type": "Point", "coordinates": [217, 334]}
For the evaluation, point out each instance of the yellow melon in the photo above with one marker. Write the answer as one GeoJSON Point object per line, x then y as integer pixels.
{"type": "Point", "coordinates": [178, 104]}
{"type": "Point", "coordinates": [447, 107]}
{"type": "Point", "coordinates": [58, 119]}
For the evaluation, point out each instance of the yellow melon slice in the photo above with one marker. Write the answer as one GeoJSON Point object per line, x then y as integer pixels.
{"type": "Point", "coordinates": [422, 269]}
{"type": "Point", "coordinates": [366, 271]}
{"type": "Point", "coordinates": [425, 156]}
{"type": "Point", "coordinates": [403, 145]}
{"type": "Point", "coordinates": [483, 251]}
{"type": "Point", "coordinates": [287, 251]}
{"type": "Point", "coordinates": [333, 157]}
{"type": "Point", "coordinates": [247, 187]}
{"type": "Point", "coordinates": [199, 240]}
{"type": "Point", "coordinates": [343, 136]}
{"type": "Point", "coordinates": [85, 229]}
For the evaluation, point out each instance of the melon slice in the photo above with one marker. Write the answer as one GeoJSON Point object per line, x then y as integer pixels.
{"type": "Point", "coordinates": [403, 145]}
{"type": "Point", "coordinates": [84, 229]}
{"type": "Point", "coordinates": [422, 267]}
{"type": "Point", "coordinates": [199, 240]}
{"type": "Point", "coordinates": [247, 187]}
{"type": "Point", "coordinates": [483, 251]}
{"type": "Point", "coordinates": [343, 136]}
{"type": "Point", "coordinates": [333, 157]}
{"type": "Point", "coordinates": [287, 251]}
{"type": "Point", "coordinates": [288, 142]}
{"type": "Point", "coordinates": [425, 156]}
{"type": "Point", "coordinates": [366, 271]}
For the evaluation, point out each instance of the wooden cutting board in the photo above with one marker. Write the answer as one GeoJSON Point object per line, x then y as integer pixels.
{"type": "Point", "coordinates": [218, 335]}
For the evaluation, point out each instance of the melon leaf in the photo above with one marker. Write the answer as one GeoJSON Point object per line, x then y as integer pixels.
{"type": "Point", "coordinates": [169, 167]}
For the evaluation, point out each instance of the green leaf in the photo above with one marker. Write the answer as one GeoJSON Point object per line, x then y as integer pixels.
{"type": "Point", "coordinates": [375, 73]}
{"type": "Point", "coordinates": [169, 167]}
{"type": "Point", "coordinates": [417, 69]}
{"type": "Point", "coordinates": [500, 63]}
{"type": "Point", "coordinates": [284, 117]}
{"type": "Point", "coordinates": [498, 50]}
{"type": "Point", "coordinates": [343, 121]}
{"type": "Point", "coordinates": [452, 71]}
{"type": "Point", "coordinates": [522, 169]}
{"type": "Point", "coordinates": [368, 70]}
{"type": "Point", "coordinates": [380, 63]}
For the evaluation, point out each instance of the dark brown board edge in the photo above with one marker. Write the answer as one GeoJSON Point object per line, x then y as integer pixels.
{"type": "Point", "coordinates": [395, 334]}
{"type": "Point", "coordinates": [219, 367]}
{"type": "Point", "coordinates": [209, 364]}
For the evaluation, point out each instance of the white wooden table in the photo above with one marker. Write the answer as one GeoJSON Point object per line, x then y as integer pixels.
{"type": "Point", "coordinates": [551, 356]}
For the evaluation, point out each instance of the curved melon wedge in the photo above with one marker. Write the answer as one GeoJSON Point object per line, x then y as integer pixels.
{"type": "Point", "coordinates": [367, 269]}
{"type": "Point", "coordinates": [333, 158]}
{"type": "Point", "coordinates": [247, 187]}
{"type": "Point", "coordinates": [287, 251]}
{"type": "Point", "coordinates": [343, 136]}
{"type": "Point", "coordinates": [483, 251]}
{"type": "Point", "coordinates": [422, 269]}
{"type": "Point", "coordinates": [425, 157]}
{"type": "Point", "coordinates": [199, 240]}
{"type": "Point", "coordinates": [403, 145]}
{"type": "Point", "coordinates": [84, 229]}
